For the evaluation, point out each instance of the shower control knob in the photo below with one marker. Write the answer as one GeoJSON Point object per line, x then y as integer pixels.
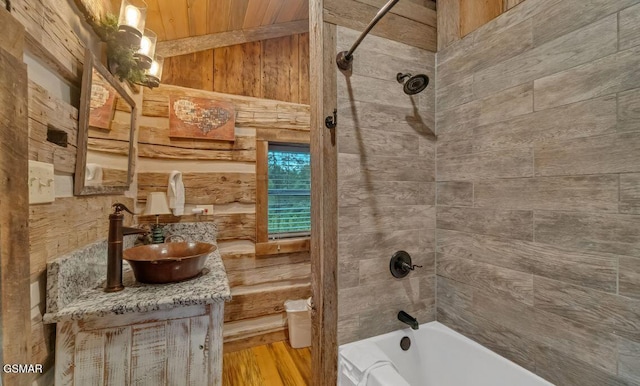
{"type": "Point", "coordinates": [400, 264]}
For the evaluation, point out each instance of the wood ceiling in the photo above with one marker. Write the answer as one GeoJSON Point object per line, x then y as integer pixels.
{"type": "Point", "coordinates": [188, 26]}
{"type": "Point", "coordinates": [176, 19]}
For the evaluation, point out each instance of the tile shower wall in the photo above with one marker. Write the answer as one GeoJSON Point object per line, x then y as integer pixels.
{"type": "Point", "coordinates": [538, 192]}
{"type": "Point", "coordinates": [386, 188]}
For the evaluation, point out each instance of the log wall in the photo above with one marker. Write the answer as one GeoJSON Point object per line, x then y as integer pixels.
{"type": "Point", "coordinates": [56, 33]}
{"type": "Point", "coordinates": [223, 174]}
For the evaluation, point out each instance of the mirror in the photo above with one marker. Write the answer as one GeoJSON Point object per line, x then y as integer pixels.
{"type": "Point", "coordinates": [106, 132]}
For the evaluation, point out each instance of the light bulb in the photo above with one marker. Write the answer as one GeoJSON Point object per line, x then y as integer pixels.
{"type": "Point", "coordinates": [154, 69]}
{"type": "Point", "coordinates": [145, 46]}
{"type": "Point", "coordinates": [132, 15]}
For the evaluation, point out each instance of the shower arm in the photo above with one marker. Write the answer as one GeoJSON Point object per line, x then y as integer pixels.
{"type": "Point", "coordinates": [344, 58]}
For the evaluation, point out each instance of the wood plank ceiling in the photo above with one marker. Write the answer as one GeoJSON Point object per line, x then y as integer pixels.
{"type": "Point", "coordinates": [176, 19]}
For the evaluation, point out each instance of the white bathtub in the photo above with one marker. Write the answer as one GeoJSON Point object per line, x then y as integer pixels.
{"type": "Point", "coordinates": [439, 356]}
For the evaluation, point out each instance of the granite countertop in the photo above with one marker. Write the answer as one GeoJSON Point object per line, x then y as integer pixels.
{"type": "Point", "coordinates": [69, 301]}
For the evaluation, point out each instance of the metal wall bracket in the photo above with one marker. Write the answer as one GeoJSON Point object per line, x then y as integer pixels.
{"type": "Point", "coordinates": [332, 122]}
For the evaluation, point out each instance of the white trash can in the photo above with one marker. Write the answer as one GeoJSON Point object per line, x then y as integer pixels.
{"type": "Point", "coordinates": [299, 322]}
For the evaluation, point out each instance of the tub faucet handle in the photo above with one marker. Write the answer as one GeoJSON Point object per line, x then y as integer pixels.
{"type": "Point", "coordinates": [400, 264]}
{"type": "Point", "coordinates": [410, 267]}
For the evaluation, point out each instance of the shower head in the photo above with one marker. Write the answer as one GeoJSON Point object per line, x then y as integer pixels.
{"type": "Point", "coordinates": [415, 83]}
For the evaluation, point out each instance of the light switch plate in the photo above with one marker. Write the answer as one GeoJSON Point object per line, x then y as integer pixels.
{"type": "Point", "coordinates": [41, 183]}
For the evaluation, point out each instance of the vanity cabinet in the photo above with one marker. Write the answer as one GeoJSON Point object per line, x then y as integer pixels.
{"type": "Point", "coordinates": [178, 346]}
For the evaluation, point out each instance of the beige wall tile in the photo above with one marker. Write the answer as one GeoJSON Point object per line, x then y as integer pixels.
{"type": "Point", "coordinates": [629, 282]}
{"type": "Point", "coordinates": [629, 110]}
{"type": "Point", "coordinates": [515, 224]}
{"type": "Point", "coordinates": [590, 232]}
{"type": "Point", "coordinates": [581, 193]}
{"type": "Point", "coordinates": [582, 119]}
{"type": "Point", "coordinates": [614, 153]}
{"type": "Point", "coordinates": [511, 163]}
{"type": "Point", "coordinates": [455, 193]}
{"type": "Point", "coordinates": [598, 271]}
{"type": "Point", "coordinates": [581, 46]}
{"type": "Point", "coordinates": [629, 27]}
{"type": "Point", "coordinates": [568, 15]}
{"type": "Point", "coordinates": [611, 74]}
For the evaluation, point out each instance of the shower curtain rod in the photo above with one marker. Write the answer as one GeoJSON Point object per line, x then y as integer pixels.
{"type": "Point", "coordinates": [344, 58]}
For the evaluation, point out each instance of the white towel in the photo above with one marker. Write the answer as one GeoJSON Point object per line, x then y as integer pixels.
{"type": "Point", "coordinates": [357, 361]}
{"type": "Point", "coordinates": [175, 193]}
{"type": "Point", "coordinates": [93, 174]}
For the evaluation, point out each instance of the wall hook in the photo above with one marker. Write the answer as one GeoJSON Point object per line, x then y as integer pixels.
{"type": "Point", "coordinates": [332, 122]}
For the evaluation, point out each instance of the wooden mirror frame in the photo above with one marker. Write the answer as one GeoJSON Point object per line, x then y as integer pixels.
{"type": "Point", "coordinates": [79, 187]}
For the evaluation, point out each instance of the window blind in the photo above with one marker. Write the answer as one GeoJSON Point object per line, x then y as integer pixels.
{"type": "Point", "coordinates": [289, 187]}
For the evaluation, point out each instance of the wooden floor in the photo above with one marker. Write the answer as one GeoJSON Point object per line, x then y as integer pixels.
{"type": "Point", "coordinates": [274, 364]}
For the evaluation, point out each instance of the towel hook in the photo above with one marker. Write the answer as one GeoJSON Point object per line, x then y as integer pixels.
{"type": "Point", "coordinates": [332, 122]}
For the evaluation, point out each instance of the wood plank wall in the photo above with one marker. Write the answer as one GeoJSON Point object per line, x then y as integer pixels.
{"type": "Point", "coordinates": [386, 189]}
{"type": "Point", "coordinates": [57, 34]}
{"type": "Point", "coordinates": [224, 174]}
{"type": "Point", "coordinates": [271, 69]}
{"type": "Point", "coordinates": [538, 175]}
{"type": "Point", "coordinates": [458, 18]}
{"type": "Point", "coordinates": [62, 226]}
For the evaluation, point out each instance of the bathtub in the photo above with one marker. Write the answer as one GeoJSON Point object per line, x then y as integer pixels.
{"type": "Point", "coordinates": [439, 356]}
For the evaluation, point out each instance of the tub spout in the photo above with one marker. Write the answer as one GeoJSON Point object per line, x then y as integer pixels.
{"type": "Point", "coordinates": [408, 319]}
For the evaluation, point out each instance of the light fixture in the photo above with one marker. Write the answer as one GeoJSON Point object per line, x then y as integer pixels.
{"type": "Point", "coordinates": [133, 14]}
{"type": "Point", "coordinates": [130, 47]}
{"type": "Point", "coordinates": [157, 205]}
{"type": "Point", "coordinates": [147, 49]}
{"type": "Point", "coordinates": [154, 73]}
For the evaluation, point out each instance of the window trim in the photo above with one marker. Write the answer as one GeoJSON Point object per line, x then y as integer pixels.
{"type": "Point", "coordinates": [294, 242]}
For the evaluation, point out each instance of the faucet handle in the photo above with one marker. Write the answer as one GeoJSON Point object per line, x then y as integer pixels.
{"type": "Point", "coordinates": [118, 207]}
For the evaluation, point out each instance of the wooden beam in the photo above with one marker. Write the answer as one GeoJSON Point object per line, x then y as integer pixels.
{"type": "Point", "coordinates": [474, 14]}
{"type": "Point", "coordinates": [13, 34]}
{"type": "Point", "coordinates": [448, 22]}
{"type": "Point", "coordinates": [224, 39]}
{"type": "Point", "coordinates": [276, 247]}
{"type": "Point", "coordinates": [15, 320]}
{"type": "Point", "coordinates": [95, 10]}
{"type": "Point", "coordinates": [412, 11]}
{"type": "Point", "coordinates": [324, 199]}
{"type": "Point", "coordinates": [357, 15]}
{"type": "Point", "coordinates": [262, 191]}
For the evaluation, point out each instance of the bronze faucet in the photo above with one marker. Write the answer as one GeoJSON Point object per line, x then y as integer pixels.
{"type": "Point", "coordinates": [115, 246]}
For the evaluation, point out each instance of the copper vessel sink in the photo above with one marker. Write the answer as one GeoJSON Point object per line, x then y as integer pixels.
{"type": "Point", "coordinates": [168, 262]}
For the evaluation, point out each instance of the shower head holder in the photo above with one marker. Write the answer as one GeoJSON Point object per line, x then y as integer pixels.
{"type": "Point", "coordinates": [400, 77]}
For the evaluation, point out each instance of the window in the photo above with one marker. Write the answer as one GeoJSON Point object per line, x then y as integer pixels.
{"type": "Point", "coordinates": [289, 190]}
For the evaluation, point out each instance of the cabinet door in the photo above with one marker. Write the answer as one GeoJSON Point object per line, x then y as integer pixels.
{"type": "Point", "coordinates": [187, 354]}
{"type": "Point", "coordinates": [171, 352]}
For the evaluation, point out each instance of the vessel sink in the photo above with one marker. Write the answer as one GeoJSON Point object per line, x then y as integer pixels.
{"type": "Point", "coordinates": [168, 262]}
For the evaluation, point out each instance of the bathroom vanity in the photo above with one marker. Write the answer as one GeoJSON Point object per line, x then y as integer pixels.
{"type": "Point", "coordinates": [162, 334]}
